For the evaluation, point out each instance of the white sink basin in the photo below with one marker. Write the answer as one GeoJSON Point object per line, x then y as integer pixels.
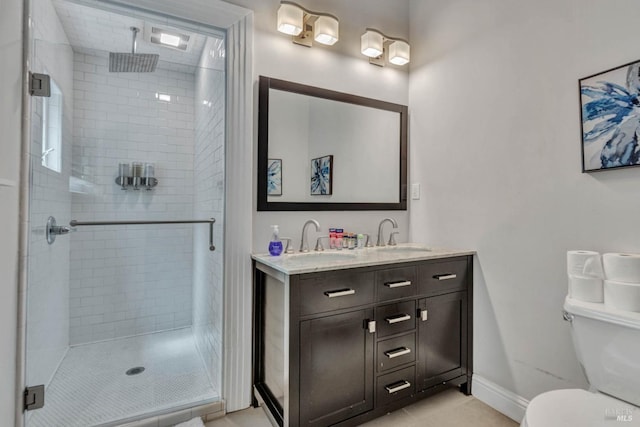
{"type": "Point", "coordinates": [321, 256]}
{"type": "Point", "coordinates": [403, 249]}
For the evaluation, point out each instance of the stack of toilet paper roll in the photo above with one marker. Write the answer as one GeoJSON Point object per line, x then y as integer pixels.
{"type": "Point", "coordinates": [585, 276]}
{"type": "Point", "coordinates": [622, 284]}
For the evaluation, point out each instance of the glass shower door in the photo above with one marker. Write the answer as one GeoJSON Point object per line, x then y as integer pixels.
{"type": "Point", "coordinates": [124, 309]}
{"type": "Point", "coordinates": [50, 157]}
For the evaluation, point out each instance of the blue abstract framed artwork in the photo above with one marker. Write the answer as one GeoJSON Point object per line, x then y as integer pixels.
{"type": "Point", "coordinates": [610, 115]}
{"type": "Point", "coordinates": [322, 176]}
{"type": "Point", "coordinates": [274, 177]}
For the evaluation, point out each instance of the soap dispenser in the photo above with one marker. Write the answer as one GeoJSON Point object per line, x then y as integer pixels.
{"type": "Point", "coordinates": [275, 245]}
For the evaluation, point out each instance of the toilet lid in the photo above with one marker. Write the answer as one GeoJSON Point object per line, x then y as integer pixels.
{"type": "Point", "coordinates": [571, 408]}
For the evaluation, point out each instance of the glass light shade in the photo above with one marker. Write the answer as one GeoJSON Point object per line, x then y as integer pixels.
{"type": "Point", "coordinates": [290, 19]}
{"type": "Point", "coordinates": [371, 44]}
{"type": "Point", "coordinates": [325, 30]}
{"type": "Point", "coordinates": [399, 53]}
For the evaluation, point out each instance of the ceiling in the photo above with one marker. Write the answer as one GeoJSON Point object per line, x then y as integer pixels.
{"type": "Point", "coordinates": [99, 31]}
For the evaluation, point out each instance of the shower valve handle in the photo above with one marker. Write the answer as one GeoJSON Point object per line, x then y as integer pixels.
{"type": "Point", "coordinates": [52, 230]}
{"type": "Point", "coordinates": [60, 229]}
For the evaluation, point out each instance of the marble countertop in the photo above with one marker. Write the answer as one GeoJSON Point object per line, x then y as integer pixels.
{"type": "Point", "coordinates": [332, 259]}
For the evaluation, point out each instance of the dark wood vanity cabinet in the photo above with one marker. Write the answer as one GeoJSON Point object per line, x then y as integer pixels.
{"type": "Point", "coordinates": [442, 339]}
{"type": "Point", "coordinates": [365, 341]}
{"type": "Point", "coordinates": [336, 368]}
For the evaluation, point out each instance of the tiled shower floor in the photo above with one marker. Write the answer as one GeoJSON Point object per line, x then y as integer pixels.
{"type": "Point", "coordinates": [91, 388]}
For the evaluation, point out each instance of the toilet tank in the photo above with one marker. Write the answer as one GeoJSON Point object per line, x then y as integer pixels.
{"type": "Point", "coordinates": [607, 343]}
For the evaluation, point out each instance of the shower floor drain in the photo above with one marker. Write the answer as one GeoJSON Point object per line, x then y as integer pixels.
{"type": "Point", "coordinates": [135, 371]}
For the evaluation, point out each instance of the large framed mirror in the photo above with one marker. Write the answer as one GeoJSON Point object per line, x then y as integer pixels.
{"type": "Point", "coordinates": [324, 150]}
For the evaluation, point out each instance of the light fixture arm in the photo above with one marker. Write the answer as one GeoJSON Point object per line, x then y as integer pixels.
{"type": "Point", "coordinates": [309, 13]}
{"type": "Point", "coordinates": [385, 37]}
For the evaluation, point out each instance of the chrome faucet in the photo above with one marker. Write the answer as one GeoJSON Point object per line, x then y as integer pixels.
{"type": "Point", "coordinates": [304, 242]}
{"type": "Point", "coordinates": [392, 241]}
{"type": "Point", "coordinates": [287, 249]}
{"type": "Point", "coordinates": [319, 247]}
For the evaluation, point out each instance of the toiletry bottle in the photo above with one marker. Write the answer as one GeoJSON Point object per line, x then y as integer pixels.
{"type": "Point", "coordinates": [275, 245]}
{"type": "Point", "coordinates": [352, 241]}
{"type": "Point", "coordinates": [339, 236]}
{"type": "Point", "coordinates": [332, 238]}
{"type": "Point", "coordinates": [360, 244]}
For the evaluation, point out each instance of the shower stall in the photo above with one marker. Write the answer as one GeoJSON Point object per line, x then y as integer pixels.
{"type": "Point", "coordinates": [126, 211]}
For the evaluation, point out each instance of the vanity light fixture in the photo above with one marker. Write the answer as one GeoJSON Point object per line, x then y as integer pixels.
{"type": "Point", "coordinates": [304, 25]}
{"type": "Point", "coordinates": [374, 44]}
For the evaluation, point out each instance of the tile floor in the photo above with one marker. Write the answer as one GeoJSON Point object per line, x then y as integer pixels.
{"type": "Point", "coordinates": [91, 388]}
{"type": "Point", "coordinates": [447, 409]}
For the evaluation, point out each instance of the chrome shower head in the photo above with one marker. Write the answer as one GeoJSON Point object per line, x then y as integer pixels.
{"type": "Point", "coordinates": [121, 62]}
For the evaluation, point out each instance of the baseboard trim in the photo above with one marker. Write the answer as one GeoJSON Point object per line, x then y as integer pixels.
{"type": "Point", "coordinates": [499, 398]}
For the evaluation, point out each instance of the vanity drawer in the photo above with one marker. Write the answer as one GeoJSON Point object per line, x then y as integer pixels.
{"type": "Point", "coordinates": [335, 290]}
{"type": "Point", "coordinates": [396, 283]}
{"type": "Point", "coordinates": [395, 386]}
{"type": "Point", "coordinates": [396, 351]}
{"type": "Point", "coordinates": [443, 276]}
{"type": "Point", "coordinates": [395, 318]}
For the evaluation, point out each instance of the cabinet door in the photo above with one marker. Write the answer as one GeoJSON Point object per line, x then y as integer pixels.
{"type": "Point", "coordinates": [336, 368]}
{"type": "Point", "coordinates": [442, 338]}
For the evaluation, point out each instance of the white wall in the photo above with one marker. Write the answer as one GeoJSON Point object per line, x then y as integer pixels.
{"type": "Point", "coordinates": [10, 119]}
{"type": "Point", "coordinates": [495, 134]}
{"type": "Point", "coordinates": [133, 279]}
{"type": "Point", "coordinates": [341, 68]}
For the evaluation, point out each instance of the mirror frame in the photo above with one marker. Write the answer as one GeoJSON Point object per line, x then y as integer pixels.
{"type": "Point", "coordinates": [267, 83]}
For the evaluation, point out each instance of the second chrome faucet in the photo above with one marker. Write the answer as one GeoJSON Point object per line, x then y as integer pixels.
{"type": "Point", "coordinates": [304, 242]}
{"type": "Point", "coordinates": [392, 240]}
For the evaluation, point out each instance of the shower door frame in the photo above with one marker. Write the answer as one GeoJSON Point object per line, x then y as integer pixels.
{"type": "Point", "coordinates": [238, 24]}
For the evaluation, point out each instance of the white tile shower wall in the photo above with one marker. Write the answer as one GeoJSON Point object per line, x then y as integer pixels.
{"type": "Point", "coordinates": [209, 202]}
{"type": "Point", "coordinates": [48, 270]}
{"type": "Point", "coordinates": [128, 280]}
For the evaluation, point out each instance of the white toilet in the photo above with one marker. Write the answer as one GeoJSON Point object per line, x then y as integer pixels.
{"type": "Point", "coordinates": [607, 343]}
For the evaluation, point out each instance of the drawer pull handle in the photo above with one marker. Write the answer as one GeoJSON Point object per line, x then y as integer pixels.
{"type": "Point", "coordinates": [447, 276]}
{"type": "Point", "coordinates": [398, 284]}
{"type": "Point", "coordinates": [340, 293]}
{"type": "Point", "coordinates": [397, 352]}
{"type": "Point", "coordinates": [399, 318]}
{"type": "Point", "coordinates": [395, 387]}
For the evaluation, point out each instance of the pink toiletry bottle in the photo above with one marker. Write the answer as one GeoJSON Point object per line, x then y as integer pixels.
{"type": "Point", "coordinates": [339, 236]}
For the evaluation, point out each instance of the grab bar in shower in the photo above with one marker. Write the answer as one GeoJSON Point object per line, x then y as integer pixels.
{"type": "Point", "coordinates": [210, 221]}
